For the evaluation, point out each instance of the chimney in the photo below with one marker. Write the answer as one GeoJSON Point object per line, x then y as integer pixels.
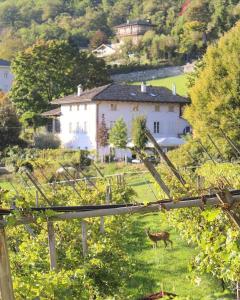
{"type": "Point", "coordinates": [174, 89]}
{"type": "Point", "coordinates": [143, 87]}
{"type": "Point", "coordinates": [79, 90]}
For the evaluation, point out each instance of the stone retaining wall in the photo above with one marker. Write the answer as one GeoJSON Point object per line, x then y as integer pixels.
{"type": "Point", "coordinates": [149, 74]}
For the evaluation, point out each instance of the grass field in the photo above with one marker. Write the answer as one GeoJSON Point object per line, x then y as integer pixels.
{"type": "Point", "coordinates": [180, 82]}
{"type": "Point", "coordinates": [161, 268]}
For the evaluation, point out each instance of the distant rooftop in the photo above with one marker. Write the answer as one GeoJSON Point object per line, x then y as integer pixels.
{"type": "Point", "coordinates": [4, 63]}
{"type": "Point", "coordinates": [124, 93]}
{"type": "Point", "coordinates": [136, 22]}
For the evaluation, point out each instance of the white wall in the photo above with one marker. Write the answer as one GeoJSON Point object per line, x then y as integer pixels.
{"type": "Point", "coordinates": [6, 78]}
{"type": "Point", "coordinates": [78, 138]}
{"type": "Point", "coordinates": [170, 123]}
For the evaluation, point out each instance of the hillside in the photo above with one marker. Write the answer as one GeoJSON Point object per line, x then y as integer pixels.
{"type": "Point", "coordinates": [182, 27]}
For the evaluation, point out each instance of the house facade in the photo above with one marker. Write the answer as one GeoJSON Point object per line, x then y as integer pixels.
{"type": "Point", "coordinates": [133, 29]}
{"type": "Point", "coordinates": [105, 50]}
{"type": "Point", "coordinates": [79, 116]}
{"type": "Point", "coordinates": [6, 77]}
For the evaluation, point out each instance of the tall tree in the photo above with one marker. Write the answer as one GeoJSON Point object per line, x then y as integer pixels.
{"type": "Point", "coordinates": [10, 127]}
{"type": "Point", "coordinates": [138, 132]}
{"type": "Point", "coordinates": [118, 134]}
{"type": "Point", "coordinates": [102, 133]}
{"type": "Point", "coordinates": [52, 69]}
{"type": "Point", "coordinates": [215, 94]}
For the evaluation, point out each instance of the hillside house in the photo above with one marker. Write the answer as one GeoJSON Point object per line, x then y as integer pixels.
{"type": "Point", "coordinates": [79, 116]}
{"type": "Point", "coordinates": [133, 29]}
{"type": "Point", "coordinates": [106, 50]}
{"type": "Point", "coordinates": [6, 77]}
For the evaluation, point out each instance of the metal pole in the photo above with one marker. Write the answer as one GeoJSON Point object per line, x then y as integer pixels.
{"type": "Point", "coordinates": [205, 150]}
{"type": "Point", "coordinates": [216, 147]}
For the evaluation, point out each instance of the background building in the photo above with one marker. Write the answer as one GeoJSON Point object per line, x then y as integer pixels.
{"type": "Point", "coordinates": [133, 29]}
{"type": "Point", "coordinates": [6, 77]}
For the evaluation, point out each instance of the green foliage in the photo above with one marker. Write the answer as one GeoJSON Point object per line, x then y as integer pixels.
{"type": "Point", "coordinates": [52, 69]}
{"type": "Point", "coordinates": [81, 22]}
{"type": "Point", "coordinates": [138, 132]}
{"type": "Point", "coordinates": [215, 92]}
{"type": "Point", "coordinates": [102, 274]}
{"type": "Point", "coordinates": [46, 141]}
{"type": "Point", "coordinates": [209, 230]}
{"type": "Point", "coordinates": [10, 127]}
{"type": "Point", "coordinates": [118, 134]}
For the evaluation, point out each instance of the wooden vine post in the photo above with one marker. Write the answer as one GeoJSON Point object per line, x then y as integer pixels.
{"type": "Point", "coordinates": [108, 200]}
{"type": "Point", "coordinates": [238, 290]}
{"type": "Point", "coordinates": [52, 246]}
{"type": "Point", "coordinates": [6, 286]}
{"type": "Point", "coordinates": [84, 238]}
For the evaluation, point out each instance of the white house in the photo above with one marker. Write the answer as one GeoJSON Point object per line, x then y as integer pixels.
{"type": "Point", "coordinates": [104, 50]}
{"type": "Point", "coordinates": [6, 77]}
{"type": "Point", "coordinates": [80, 115]}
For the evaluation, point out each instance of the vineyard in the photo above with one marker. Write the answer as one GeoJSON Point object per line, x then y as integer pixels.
{"type": "Point", "coordinates": [70, 235]}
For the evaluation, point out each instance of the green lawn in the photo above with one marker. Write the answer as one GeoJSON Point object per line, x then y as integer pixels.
{"type": "Point", "coordinates": [163, 268]}
{"type": "Point", "coordinates": [160, 268]}
{"type": "Point", "coordinates": [180, 82]}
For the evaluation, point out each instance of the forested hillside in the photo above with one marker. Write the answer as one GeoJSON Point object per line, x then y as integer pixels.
{"type": "Point", "coordinates": [182, 26]}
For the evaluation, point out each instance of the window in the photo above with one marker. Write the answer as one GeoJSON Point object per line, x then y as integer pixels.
{"type": "Point", "coordinates": [113, 107]}
{"type": "Point", "coordinates": [5, 75]}
{"type": "Point", "coordinates": [156, 127]}
{"type": "Point", "coordinates": [85, 127]}
{"type": "Point", "coordinates": [181, 110]}
{"type": "Point", "coordinates": [171, 108]}
{"type": "Point", "coordinates": [157, 107]}
{"type": "Point", "coordinates": [70, 107]}
{"type": "Point", "coordinates": [77, 127]}
{"type": "Point", "coordinates": [187, 130]}
{"type": "Point", "coordinates": [70, 127]}
{"type": "Point", "coordinates": [78, 107]}
{"type": "Point", "coordinates": [135, 107]}
{"type": "Point", "coordinates": [85, 106]}
{"type": "Point", "coordinates": [112, 124]}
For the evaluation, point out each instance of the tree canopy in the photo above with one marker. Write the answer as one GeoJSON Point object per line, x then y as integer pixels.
{"type": "Point", "coordinates": [52, 69]}
{"type": "Point", "coordinates": [10, 127]}
{"type": "Point", "coordinates": [215, 92]}
{"type": "Point", "coordinates": [118, 134]}
{"type": "Point", "coordinates": [80, 22]}
{"type": "Point", "coordinates": [138, 132]}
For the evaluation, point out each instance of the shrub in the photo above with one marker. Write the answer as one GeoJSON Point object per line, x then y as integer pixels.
{"type": "Point", "coordinates": [46, 141]}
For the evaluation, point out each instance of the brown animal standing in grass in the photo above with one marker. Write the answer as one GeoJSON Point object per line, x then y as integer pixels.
{"type": "Point", "coordinates": [159, 236]}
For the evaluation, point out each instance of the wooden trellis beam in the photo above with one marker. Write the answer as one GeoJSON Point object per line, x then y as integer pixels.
{"type": "Point", "coordinates": [227, 201]}
{"type": "Point", "coordinates": [165, 157]}
{"type": "Point", "coordinates": [154, 173]}
{"type": "Point", "coordinates": [141, 208]}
